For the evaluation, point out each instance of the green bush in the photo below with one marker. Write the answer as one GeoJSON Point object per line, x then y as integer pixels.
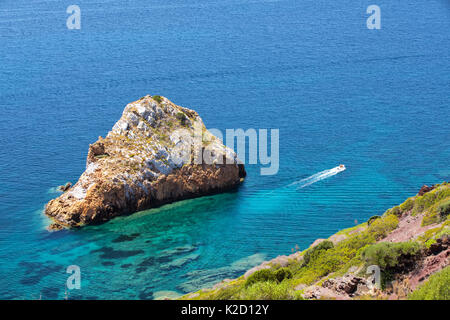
{"type": "Point", "coordinates": [389, 255]}
{"type": "Point", "coordinates": [260, 276]}
{"type": "Point", "coordinates": [227, 293]}
{"type": "Point", "coordinates": [424, 202]}
{"type": "Point", "coordinates": [372, 219]}
{"type": "Point", "coordinates": [429, 235]}
{"type": "Point", "coordinates": [381, 227]}
{"type": "Point", "coordinates": [444, 208]}
{"type": "Point", "coordinates": [265, 275]}
{"type": "Point", "coordinates": [407, 205]}
{"type": "Point", "coordinates": [437, 213]}
{"type": "Point", "coordinates": [313, 252]}
{"type": "Point", "coordinates": [430, 198]}
{"type": "Point", "coordinates": [157, 98]}
{"type": "Point", "coordinates": [268, 290]}
{"type": "Point", "coordinates": [430, 218]}
{"type": "Point", "coordinates": [337, 259]}
{"type": "Point", "coordinates": [436, 288]}
{"type": "Point", "coordinates": [395, 211]}
{"type": "Point", "coordinates": [283, 273]}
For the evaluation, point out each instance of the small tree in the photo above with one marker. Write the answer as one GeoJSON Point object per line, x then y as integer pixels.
{"type": "Point", "coordinates": [182, 118]}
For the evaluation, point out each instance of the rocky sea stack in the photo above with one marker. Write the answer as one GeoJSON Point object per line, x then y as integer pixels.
{"type": "Point", "coordinates": [156, 153]}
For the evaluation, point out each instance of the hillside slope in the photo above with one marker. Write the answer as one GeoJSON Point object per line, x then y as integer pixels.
{"type": "Point", "coordinates": [408, 243]}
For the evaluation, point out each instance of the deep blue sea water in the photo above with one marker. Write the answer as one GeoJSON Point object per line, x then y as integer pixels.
{"type": "Point", "coordinates": [375, 100]}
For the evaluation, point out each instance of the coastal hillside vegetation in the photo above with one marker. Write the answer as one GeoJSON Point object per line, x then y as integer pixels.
{"type": "Point", "coordinates": [436, 288]}
{"type": "Point", "coordinates": [401, 243]}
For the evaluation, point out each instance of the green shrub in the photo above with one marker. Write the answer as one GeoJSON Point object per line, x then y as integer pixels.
{"type": "Point", "coordinates": [323, 246]}
{"type": "Point", "coordinates": [389, 255]}
{"type": "Point", "coordinates": [445, 232]}
{"type": "Point", "coordinates": [395, 211]}
{"type": "Point", "coordinates": [381, 227]}
{"type": "Point", "coordinates": [157, 98]}
{"type": "Point", "coordinates": [424, 202]}
{"type": "Point", "coordinates": [268, 290]}
{"type": "Point", "coordinates": [430, 236]}
{"type": "Point", "coordinates": [260, 276]}
{"type": "Point", "coordinates": [372, 219]}
{"type": "Point", "coordinates": [437, 287]}
{"type": "Point", "coordinates": [437, 213]}
{"type": "Point", "coordinates": [407, 205]}
{"type": "Point", "coordinates": [442, 192]}
{"type": "Point", "coordinates": [337, 259]}
{"type": "Point", "coordinates": [227, 293]}
{"type": "Point", "coordinates": [265, 275]}
{"type": "Point", "coordinates": [444, 208]}
{"type": "Point", "coordinates": [430, 198]}
{"type": "Point", "coordinates": [283, 273]}
{"type": "Point", "coordinates": [430, 218]}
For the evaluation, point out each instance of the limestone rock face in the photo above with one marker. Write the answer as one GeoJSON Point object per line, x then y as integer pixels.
{"type": "Point", "coordinates": [156, 153]}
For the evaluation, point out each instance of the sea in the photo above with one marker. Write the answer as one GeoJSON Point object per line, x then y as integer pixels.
{"type": "Point", "coordinates": [339, 92]}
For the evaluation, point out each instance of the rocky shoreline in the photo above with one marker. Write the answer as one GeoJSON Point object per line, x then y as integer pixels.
{"type": "Point", "coordinates": [155, 154]}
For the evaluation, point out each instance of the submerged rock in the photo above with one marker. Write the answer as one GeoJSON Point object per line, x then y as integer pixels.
{"type": "Point", "coordinates": [178, 263]}
{"type": "Point", "coordinates": [156, 153]}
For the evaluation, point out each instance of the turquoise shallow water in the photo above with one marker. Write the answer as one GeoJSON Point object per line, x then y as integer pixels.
{"type": "Point", "coordinates": [377, 101]}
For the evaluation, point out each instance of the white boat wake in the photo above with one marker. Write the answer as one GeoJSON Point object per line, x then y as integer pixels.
{"type": "Point", "coordinates": [318, 177]}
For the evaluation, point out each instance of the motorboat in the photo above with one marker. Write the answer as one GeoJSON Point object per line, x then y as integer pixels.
{"type": "Point", "coordinates": [341, 168]}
